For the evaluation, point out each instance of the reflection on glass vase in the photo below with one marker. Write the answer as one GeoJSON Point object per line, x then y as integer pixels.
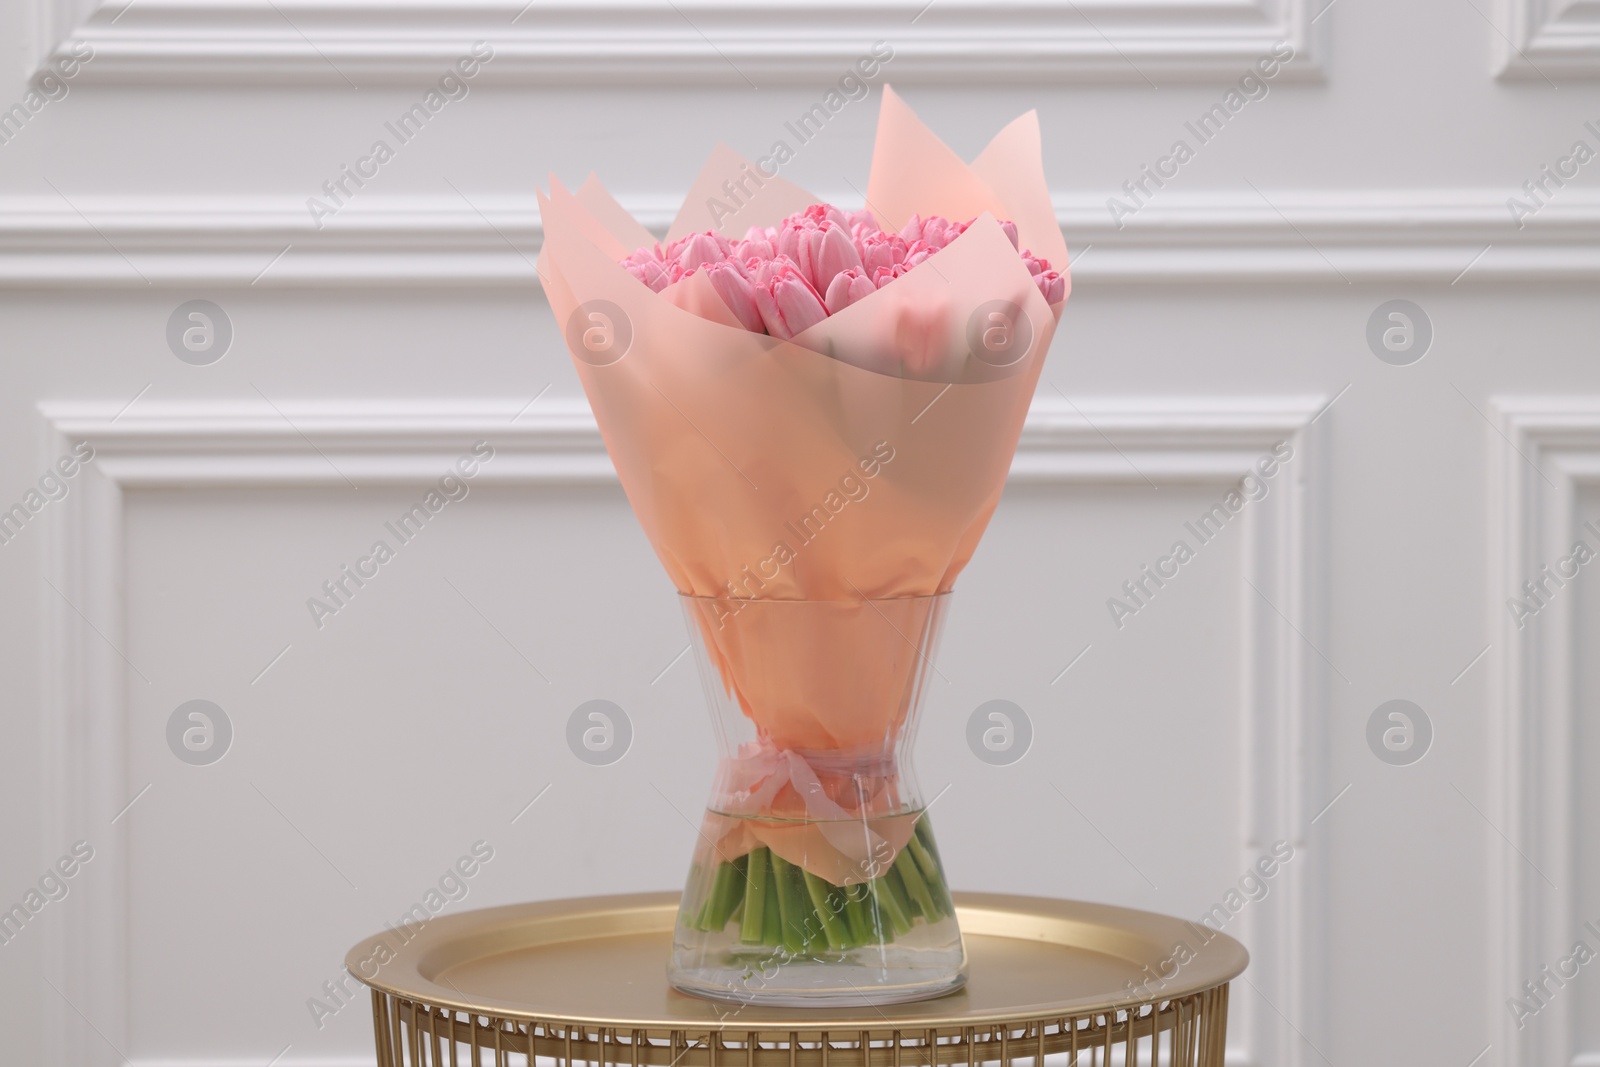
{"type": "Point", "coordinates": [816, 879]}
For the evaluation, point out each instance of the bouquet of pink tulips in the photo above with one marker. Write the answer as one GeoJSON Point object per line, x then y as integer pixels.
{"type": "Point", "coordinates": [813, 406]}
{"type": "Point", "coordinates": [782, 279]}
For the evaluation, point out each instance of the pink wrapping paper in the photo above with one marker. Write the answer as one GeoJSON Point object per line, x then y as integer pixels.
{"type": "Point", "coordinates": [862, 459]}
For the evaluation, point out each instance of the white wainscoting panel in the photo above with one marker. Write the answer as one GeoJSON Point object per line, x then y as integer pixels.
{"type": "Point", "coordinates": [1550, 455]}
{"type": "Point", "coordinates": [172, 453]}
{"type": "Point", "coordinates": [1549, 40]}
{"type": "Point", "coordinates": [1453, 236]}
{"type": "Point", "coordinates": [690, 42]}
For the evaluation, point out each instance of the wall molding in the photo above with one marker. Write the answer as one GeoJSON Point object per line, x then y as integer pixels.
{"type": "Point", "coordinates": [687, 42]}
{"type": "Point", "coordinates": [1087, 442]}
{"type": "Point", "coordinates": [1551, 453]}
{"type": "Point", "coordinates": [1461, 236]}
{"type": "Point", "coordinates": [1548, 39]}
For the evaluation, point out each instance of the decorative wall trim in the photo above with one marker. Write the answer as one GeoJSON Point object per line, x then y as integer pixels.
{"type": "Point", "coordinates": [1091, 441]}
{"type": "Point", "coordinates": [1551, 452]}
{"type": "Point", "coordinates": [686, 42]}
{"type": "Point", "coordinates": [1462, 236]}
{"type": "Point", "coordinates": [1548, 40]}
{"type": "Point", "coordinates": [1282, 713]}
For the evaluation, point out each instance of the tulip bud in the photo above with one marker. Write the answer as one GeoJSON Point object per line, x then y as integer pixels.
{"type": "Point", "coordinates": [754, 246]}
{"type": "Point", "coordinates": [651, 272]}
{"type": "Point", "coordinates": [917, 252]}
{"type": "Point", "coordinates": [847, 287]}
{"type": "Point", "coordinates": [761, 273]}
{"type": "Point", "coordinates": [884, 275]}
{"type": "Point", "coordinates": [788, 242]}
{"type": "Point", "coordinates": [862, 223]}
{"type": "Point", "coordinates": [881, 250]}
{"type": "Point", "coordinates": [738, 293]}
{"type": "Point", "coordinates": [820, 213]}
{"type": "Point", "coordinates": [824, 252]}
{"type": "Point", "coordinates": [789, 305]}
{"type": "Point", "coordinates": [698, 249]}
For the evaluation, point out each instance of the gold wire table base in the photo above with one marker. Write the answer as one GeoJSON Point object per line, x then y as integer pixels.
{"type": "Point", "coordinates": [558, 983]}
{"type": "Point", "coordinates": [1187, 1032]}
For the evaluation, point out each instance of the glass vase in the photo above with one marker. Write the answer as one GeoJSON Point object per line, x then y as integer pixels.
{"type": "Point", "coordinates": [816, 879]}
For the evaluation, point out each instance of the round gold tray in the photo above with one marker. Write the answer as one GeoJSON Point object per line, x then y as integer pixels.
{"type": "Point", "coordinates": [586, 980]}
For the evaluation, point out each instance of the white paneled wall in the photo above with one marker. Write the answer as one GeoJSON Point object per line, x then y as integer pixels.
{"type": "Point", "coordinates": [163, 152]}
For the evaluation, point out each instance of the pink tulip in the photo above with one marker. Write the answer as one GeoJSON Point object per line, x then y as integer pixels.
{"type": "Point", "coordinates": [673, 250]}
{"type": "Point", "coordinates": [750, 266]}
{"type": "Point", "coordinates": [647, 265]}
{"type": "Point", "coordinates": [738, 293]}
{"type": "Point", "coordinates": [847, 287]}
{"type": "Point", "coordinates": [788, 240]}
{"type": "Point", "coordinates": [788, 304]}
{"type": "Point", "coordinates": [820, 213]}
{"type": "Point", "coordinates": [1052, 286]}
{"type": "Point", "coordinates": [1035, 266]}
{"type": "Point", "coordinates": [762, 272]}
{"type": "Point", "coordinates": [651, 272]}
{"type": "Point", "coordinates": [824, 252]}
{"type": "Point", "coordinates": [699, 249]}
{"type": "Point", "coordinates": [862, 223]}
{"type": "Point", "coordinates": [756, 245]}
{"type": "Point", "coordinates": [879, 249]}
{"type": "Point", "coordinates": [936, 231]}
{"type": "Point", "coordinates": [884, 275]}
{"type": "Point", "coordinates": [917, 252]}
{"type": "Point", "coordinates": [1010, 230]}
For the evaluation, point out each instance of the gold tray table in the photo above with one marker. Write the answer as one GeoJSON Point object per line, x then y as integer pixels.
{"type": "Point", "coordinates": [553, 983]}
